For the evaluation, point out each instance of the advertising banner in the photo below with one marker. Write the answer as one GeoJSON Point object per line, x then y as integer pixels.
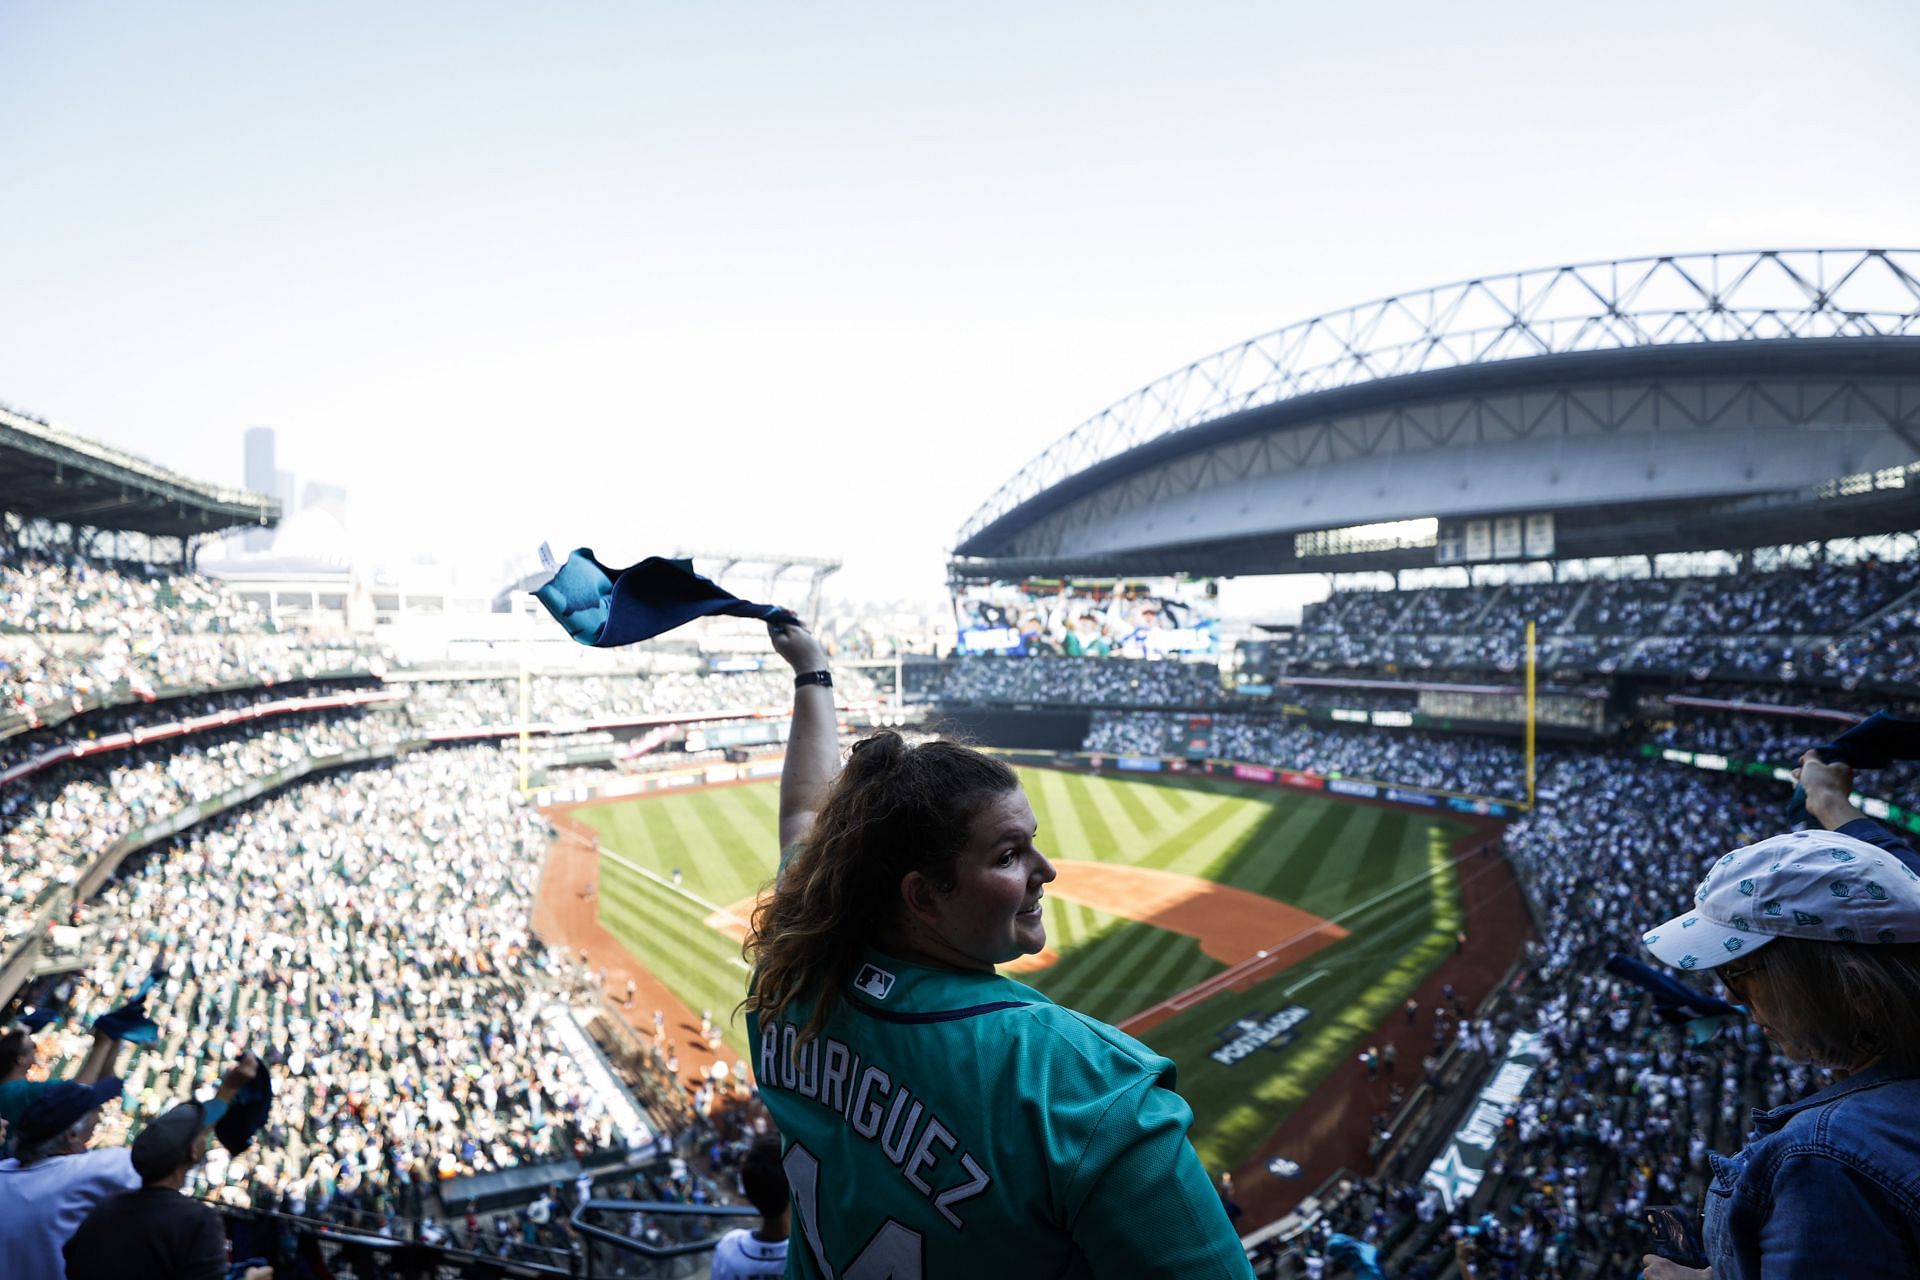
{"type": "Point", "coordinates": [1138, 764]}
{"type": "Point", "coordinates": [1295, 778]}
{"type": "Point", "coordinates": [1253, 772]}
{"type": "Point", "coordinates": [1348, 787]}
{"type": "Point", "coordinates": [1398, 796]}
{"type": "Point", "coordinates": [1463, 1162]}
{"type": "Point", "coordinates": [1485, 808]}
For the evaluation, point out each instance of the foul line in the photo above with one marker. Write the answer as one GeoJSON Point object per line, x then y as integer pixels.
{"type": "Point", "coordinates": [688, 894]}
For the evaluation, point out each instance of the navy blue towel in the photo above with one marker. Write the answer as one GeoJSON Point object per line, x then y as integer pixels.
{"type": "Point", "coordinates": [130, 1023]}
{"type": "Point", "coordinates": [1673, 1001]}
{"type": "Point", "coordinates": [247, 1113]}
{"type": "Point", "coordinates": [606, 608]}
{"type": "Point", "coordinates": [1874, 743]}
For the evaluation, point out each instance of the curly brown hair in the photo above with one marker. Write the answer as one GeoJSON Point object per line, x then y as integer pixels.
{"type": "Point", "coordinates": [894, 809]}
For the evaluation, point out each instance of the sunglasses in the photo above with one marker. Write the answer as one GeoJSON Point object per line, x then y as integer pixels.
{"type": "Point", "coordinates": [1732, 975]}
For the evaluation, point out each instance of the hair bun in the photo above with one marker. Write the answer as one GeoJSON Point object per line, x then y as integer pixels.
{"type": "Point", "coordinates": [878, 753]}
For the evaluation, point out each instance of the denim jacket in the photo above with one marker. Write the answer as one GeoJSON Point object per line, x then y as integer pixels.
{"type": "Point", "coordinates": [1828, 1186]}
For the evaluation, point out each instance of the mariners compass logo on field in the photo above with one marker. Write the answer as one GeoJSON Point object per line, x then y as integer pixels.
{"type": "Point", "coordinates": [874, 981]}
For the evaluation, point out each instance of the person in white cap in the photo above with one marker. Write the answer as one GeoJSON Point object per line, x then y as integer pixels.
{"type": "Point", "coordinates": [1817, 934]}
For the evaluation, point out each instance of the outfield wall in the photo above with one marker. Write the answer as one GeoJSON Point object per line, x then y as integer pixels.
{"type": "Point", "coordinates": [1052, 729]}
{"type": "Point", "coordinates": [1400, 794]}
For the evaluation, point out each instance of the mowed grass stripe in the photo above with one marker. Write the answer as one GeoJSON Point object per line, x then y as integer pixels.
{"type": "Point", "coordinates": [1208, 843]}
{"type": "Point", "coordinates": [1155, 800]}
{"type": "Point", "coordinates": [1326, 848]}
{"type": "Point", "coordinates": [1160, 980]}
{"type": "Point", "coordinates": [1060, 830]}
{"type": "Point", "coordinates": [720, 864]}
{"type": "Point", "coordinates": [1391, 850]}
{"type": "Point", "coordinates": [1070, 925]}
{"type": "Point", "coordinates": [1127, 796]}
{"type": "Point", "coordinates": [1187, 844]}
{"type": "Point", "coordinates": [662, 847]}
{"type": "Point", "coordinates": [1178, 798]}
{"type": "Point", "coordinates": [1261, 860]}
{"type": "Point", "coordinates": [1124, 972]}
{"type": "Point", "coordinates": [1086, 811]}
{"type": "Point", "coordinates": [742, 838]}
{"type": "Point", "coordinates": [698, 965]}
{"type": "Point", "coordinates": [1093, 979]}
{"type": "Point", "coordinates": [1382, 854]}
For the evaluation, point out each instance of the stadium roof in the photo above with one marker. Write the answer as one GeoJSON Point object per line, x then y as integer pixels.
{"type": "Point", "coordinates": [50, 474]}
{"type": "Point", "coordinates": [1652, 404]}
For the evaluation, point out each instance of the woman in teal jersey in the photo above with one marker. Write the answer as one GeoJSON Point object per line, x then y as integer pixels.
{"type": "Point", "coordinates": [942, 1120]}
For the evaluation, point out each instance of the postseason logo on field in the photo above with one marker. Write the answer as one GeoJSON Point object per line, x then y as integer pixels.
{"type": "Point", "coordinates": [1275, 1031]}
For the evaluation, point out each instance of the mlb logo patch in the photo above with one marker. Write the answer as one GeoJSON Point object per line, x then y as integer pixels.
{"type": "Point", "coordinates": [873, 981]}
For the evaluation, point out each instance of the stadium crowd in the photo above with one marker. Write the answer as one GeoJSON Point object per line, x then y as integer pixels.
{"type": "Point", "coordinates": [1447, 762]}
{"type": "Point", "coordinates": [471, 704]}
{"type": "Point", "coordinates": [74, 633]}
{"type": "Point", "coordinates": [1839, 622]}
{"type": "Point", "coordinates": [54, 824]}
{"type": "Point", "coordinates": [1080, 681]}
{"type": "Point", "coordinates": [94, 725]}
{"type": "Point", "coordinates": [368, 934]}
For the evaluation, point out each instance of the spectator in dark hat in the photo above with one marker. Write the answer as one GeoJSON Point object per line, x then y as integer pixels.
{"type": "Point", "coordinates": [157, 1231]}
{"type": "Point", "coordinates": [17, 1055]}
{"type": "Point", "coordinates": [761, 1251]}
{"type": "Point", "coordinates": [53, 1182]}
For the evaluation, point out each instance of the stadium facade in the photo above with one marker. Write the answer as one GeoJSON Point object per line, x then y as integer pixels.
{"type": "Point", "coordinates": [1676, 403]}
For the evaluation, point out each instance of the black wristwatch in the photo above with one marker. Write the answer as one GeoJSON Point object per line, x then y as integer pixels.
{"type": "Point", "coordinates": [806, 678]}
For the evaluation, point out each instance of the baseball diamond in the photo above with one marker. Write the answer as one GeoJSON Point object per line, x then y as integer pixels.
{"type": "Point", "coordinates": [1186, 911]}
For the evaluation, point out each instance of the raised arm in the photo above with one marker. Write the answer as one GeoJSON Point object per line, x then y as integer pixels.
{"type": "Point", "coordinates": [103, 1056]}
{"type": "Point", "coordinates": [813, 746]}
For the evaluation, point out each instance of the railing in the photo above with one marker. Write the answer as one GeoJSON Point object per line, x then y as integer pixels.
{"type": "Point", "coordinates": [652, 1239]}
{"type": "Point", "coordinates": [370, 1247]}
{"type": "Point", "coordinates": [1601, 306]}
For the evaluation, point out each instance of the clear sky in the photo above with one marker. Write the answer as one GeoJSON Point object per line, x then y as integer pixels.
{"type": "Point", "coordinates": [817, 277]}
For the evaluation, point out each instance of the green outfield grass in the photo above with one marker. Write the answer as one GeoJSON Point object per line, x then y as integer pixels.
{"type": "Point", "coordinates": [1386, 876]}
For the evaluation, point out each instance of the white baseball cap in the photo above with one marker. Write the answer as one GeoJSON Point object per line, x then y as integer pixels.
{"type": "Point", "coordinates": [1819, 885]}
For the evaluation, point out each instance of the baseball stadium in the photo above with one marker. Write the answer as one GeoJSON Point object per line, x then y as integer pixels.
{"type": "Point", "coordinates": [1604, 549]}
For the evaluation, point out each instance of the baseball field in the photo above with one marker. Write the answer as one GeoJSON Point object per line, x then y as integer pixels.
{"type": "Point", "coordinates": [1256, 936]}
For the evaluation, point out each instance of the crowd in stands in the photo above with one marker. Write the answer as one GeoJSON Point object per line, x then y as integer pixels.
{"type": "Point", "coordinates": [1832, 622]}
{"type": "Point", "coordinates": [53, 825]}
{"type": "Point", "coordinates": [74, 633]}
{"type": "Point", "coordinates": [1772, 740]}
{"type": "Point", "coordinates": [1080, 681]}
{"type": "Point", "coordinates": [95, 725]}
{"type": "Point", "coordinates": [1477, 766]}
{"type": "Point", "coordinates": [368, 934]}
{"type": "Point", "coordinates": [469, 704]}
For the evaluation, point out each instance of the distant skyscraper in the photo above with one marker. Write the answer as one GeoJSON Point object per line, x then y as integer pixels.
{"type": "Point", "coordinates": [261, 477]}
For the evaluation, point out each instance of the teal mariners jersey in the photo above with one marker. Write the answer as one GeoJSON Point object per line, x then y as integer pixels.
{"type": "Point", "coordinates": [962, 1124]}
